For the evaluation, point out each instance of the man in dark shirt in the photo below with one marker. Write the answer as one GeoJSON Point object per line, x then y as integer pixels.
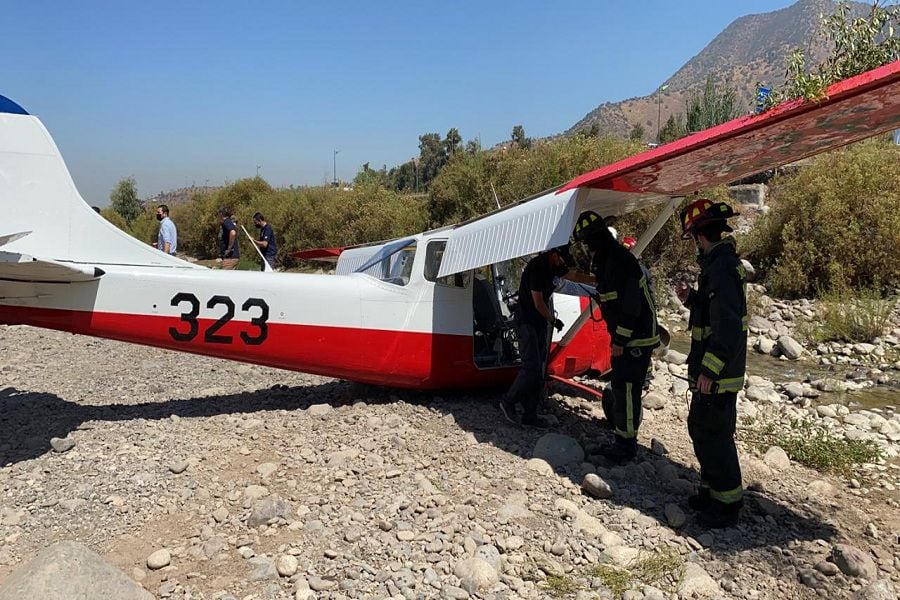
{"type": "Point", "coordinates": [534, 316]}
{"type": "Point", "coordinates": [229, 251]}
{"type": "Point", "coordinates": [266, 241]}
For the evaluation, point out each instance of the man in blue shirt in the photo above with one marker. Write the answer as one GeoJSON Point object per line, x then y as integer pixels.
{"type": "Point", "coordinates": [229, 251]}
{"type": "Point", "coordinates": [266, 241]}
{"type": "Point", "coordinates": [167, 239]}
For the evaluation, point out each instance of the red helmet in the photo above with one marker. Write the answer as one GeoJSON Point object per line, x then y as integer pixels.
{"type": "Point", "coordinates": [629, 242]}
{"type": "Point", "coordinates": [702, 212]}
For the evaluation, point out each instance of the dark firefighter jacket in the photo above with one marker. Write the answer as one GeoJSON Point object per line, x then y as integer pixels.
{"type": "Point", "coordinates": [625, 297]}
{"type": "Point", "coordinates": [718, 321]}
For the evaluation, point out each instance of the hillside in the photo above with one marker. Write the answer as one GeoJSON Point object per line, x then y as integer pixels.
{"type": "Point", "coordinates": [179, 196]}
{"type": "Point", "coordinates": [751, 49]}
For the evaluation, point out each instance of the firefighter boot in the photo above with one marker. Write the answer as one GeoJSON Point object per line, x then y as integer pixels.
{"type": "Point", "coordinates": [701, 500]}
{"type": "Point", "coordinates": [720, 515]}
{"type": "Point", "coordinates": [622, 450]}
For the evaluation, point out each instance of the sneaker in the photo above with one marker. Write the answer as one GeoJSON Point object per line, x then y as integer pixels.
{"type": "Point", "coordinates": [509, 410]}
{"type": "Point", "coordinates": [536, 422]}
{"type": "Point", "coordinates": [701, 500]}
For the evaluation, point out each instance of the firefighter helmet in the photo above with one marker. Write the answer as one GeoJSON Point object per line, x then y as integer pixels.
{"type": "Point", "coordinates": [588, 224]}
{"type": "Point", "coordinates": [702, 212]}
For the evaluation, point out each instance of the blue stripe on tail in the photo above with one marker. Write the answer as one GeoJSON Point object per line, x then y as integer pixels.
{"type": "Point", "coordinates": [8, 106]}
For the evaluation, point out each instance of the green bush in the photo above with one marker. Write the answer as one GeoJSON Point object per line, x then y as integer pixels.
{"type": "Point", "coordinates": [462, 190]}
{"type": "Point", "coordinates": [851, 316]}
{"type": "Point", "coordinates": [301, 217]}
{"type": "Point", "coordinates": [834, 225]}
{"type": "Point", "coordinates": [810, 444]}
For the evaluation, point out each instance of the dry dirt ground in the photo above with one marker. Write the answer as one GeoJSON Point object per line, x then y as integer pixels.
{"type": "Point", "coordinates": [361, 492]}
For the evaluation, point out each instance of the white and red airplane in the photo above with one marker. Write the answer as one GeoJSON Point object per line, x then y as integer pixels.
{"type": "Point", "coordinates": [422, 312]}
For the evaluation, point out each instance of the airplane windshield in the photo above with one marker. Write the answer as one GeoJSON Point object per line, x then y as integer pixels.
{"type": "Point", "coordinates": [393, 263]}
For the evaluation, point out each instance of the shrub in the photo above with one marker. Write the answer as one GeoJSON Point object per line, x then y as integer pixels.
{"type": "Point", "coordinates": [462, 190]}
{"type": "Point", "coordinates": [810, 444]}
{"type": "Point", "coordinates": [851, 316]}
{"type": "Point", "coordinates": [301, 217]}
{"type": "Point", "coordinates": [836, 224]}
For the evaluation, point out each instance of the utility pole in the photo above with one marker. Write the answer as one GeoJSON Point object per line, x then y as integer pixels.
{"type": "Point", "coordinates": [334, 167]}
{"type": "Point", "coordinates": [257, 170]}
{"type": "Point", "coordinates": [659, 109]}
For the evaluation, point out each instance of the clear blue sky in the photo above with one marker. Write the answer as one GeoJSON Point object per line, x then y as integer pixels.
{"type": "Point", "coordinates": [180, 93]}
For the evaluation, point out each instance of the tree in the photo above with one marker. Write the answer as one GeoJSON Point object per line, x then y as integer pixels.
{"type": "Point", "coordinates": [518, 137]}
{"type": "Point", "coordinates": [637, 133]}
{"type": "Point", "coordinates": [705, 108]}
{"type": "Point", "coordinates": [473, 146]}
{"type": "Point", "coordinates": [714, 105]}
{"type": "Point", "coordinates": [432, 156]}
{"type": "Point", "coordinates": [452, 141]}
{"type": "Point", "coordinates": [673, 129]}
{"type": "Point", "coordinates": [124, 199]}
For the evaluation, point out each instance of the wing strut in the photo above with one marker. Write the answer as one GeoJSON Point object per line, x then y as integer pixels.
{"type": "Point", "coordinates": [667, 211]}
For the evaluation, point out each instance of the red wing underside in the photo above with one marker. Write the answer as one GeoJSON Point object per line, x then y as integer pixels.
{"type": "Point", "coordinates": [856, 108]}
{"type": "Point", "coordinates": [323, 254]}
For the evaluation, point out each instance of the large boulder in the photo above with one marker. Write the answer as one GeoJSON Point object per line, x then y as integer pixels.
{"type": "Point", "coordinates": [475, 575]}
{"type": "Point", "coordinates": [70, 571]}
{"type": "Point", "coordinates": [790, 347]}
{"type": "Point", "coordinates": [697, 583]}
{"type": "Point", "coordinates": [558, 450]}
{"type": "Point", "coordinates": [266, 509]}
{"type": "Point", "coordinates": [878, 590]}
{"type": "Point", "coordinates": [854, 562]}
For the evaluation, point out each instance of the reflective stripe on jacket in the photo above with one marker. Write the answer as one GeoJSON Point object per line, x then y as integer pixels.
{"type": "Point", "coordinates": [625, 298]}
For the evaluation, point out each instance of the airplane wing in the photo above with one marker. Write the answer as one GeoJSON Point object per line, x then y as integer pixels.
{"type": "Point", "coordinates": [856, 108]}
{"type": "Point", "coordinates": [321, 254]}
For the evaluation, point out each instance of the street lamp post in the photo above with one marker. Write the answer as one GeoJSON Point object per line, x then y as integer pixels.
{"type": "Point", "coordinates": [334, 167]}
{"type": "Point", "coordinates": [659, 109]}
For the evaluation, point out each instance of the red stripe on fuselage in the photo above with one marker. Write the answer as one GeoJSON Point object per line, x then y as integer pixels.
{"type": "Point", "coordinates": [392, 358]}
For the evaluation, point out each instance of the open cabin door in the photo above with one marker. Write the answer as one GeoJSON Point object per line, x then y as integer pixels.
{"type": "Point", "coordinates": [493, 330]}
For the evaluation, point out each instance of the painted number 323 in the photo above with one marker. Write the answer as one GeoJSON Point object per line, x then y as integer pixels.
{"type": "Point", "coordinates": [257, 331]}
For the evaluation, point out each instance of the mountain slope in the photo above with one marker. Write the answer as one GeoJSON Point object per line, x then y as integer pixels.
{"type": "Point", "coordinates": [751, 49]}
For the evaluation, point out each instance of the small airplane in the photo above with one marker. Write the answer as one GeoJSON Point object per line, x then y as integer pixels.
{"type": "Point", "coordinates": [428, 311]}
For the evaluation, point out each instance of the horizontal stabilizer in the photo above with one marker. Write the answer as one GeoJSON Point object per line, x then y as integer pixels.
{"type": "Point", "coordinates": [11, 237]}
{"type": "Point", "coordinates": [21, 267]}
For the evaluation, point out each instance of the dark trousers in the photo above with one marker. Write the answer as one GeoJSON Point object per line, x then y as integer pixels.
{"type": "Point", "coordinates": [529, 383]}
{"type": "Point", "coordinates": [627, 383]}
{"type": "Point", "coordinates": [711, 424]}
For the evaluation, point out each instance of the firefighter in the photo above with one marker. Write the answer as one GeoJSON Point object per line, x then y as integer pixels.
{"type": "Point", "coordinates": [716, 362]}
{"type": "Point", "coordinates": [630, 314]}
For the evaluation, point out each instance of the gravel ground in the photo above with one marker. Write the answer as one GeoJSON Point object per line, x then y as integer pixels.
{"type": "Point", "coordinates": [203, 478]}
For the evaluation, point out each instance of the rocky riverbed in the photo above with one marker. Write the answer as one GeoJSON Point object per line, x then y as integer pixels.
{"type": "Point", "coordinates": [201, 478]}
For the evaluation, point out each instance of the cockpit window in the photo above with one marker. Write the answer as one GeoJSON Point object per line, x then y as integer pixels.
{"type": "Point", "coordinates": [434, 254]}
{"type": "Point", "coordinates": [393, 263]}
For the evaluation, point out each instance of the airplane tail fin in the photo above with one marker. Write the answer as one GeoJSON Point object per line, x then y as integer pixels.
{"type": "Point", "coordinates": [37, 195]}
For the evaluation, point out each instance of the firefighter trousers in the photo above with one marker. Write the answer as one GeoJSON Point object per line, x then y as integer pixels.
{"type": "Point", "coordinates": [627, 383]}
{"type": "Point", "coordinates": [711, 424]}
{"type": "Point", "coordinates": [529, 383]}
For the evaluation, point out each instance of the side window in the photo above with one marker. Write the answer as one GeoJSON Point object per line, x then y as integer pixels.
{"type": "Point", "coordinates": [434, 254]}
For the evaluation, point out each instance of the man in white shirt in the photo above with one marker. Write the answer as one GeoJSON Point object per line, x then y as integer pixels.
{"type": "Point", "coordinates": [167, 240]}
